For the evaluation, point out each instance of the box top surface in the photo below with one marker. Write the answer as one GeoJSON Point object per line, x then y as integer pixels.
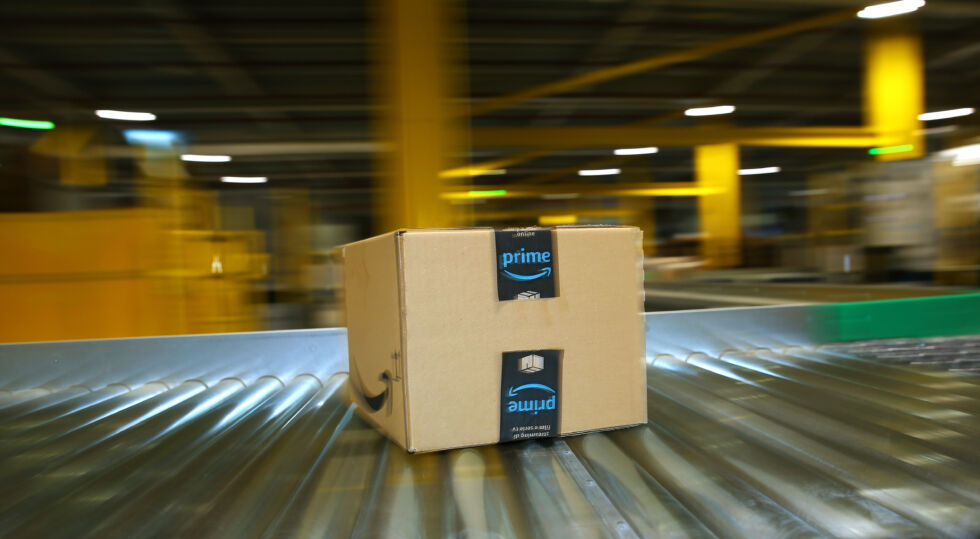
{"type": "Point", "coordinates": [464, 229]}
{"type": "Point", "coordinates": [413, 231]}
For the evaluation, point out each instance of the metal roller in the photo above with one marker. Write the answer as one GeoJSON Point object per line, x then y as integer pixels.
{"type": "Point", "coordinates": [795, 441]}
{"type": "Point", "coordinates": [920, 501]}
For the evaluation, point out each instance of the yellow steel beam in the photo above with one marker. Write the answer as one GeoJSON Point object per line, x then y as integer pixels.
{"type": "Point", "coordinates": [484, 167]}
{"type": "Point", "coordinates": [894, 87]}
{"type": "Point", "coordinates": [719, 212]}
{"type": "Point", "coordinates": [417, 121]}
{"type": "Point", "coordinates": [534, 214]}
{"type": "Point", "coordinates": [654, 62]}
{"type": "Point", "coordinates": [582, 190]}
{"type": "Point", "coordinates": [832, 137]}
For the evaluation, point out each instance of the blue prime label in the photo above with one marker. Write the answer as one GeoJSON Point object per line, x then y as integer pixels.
{"type": "Point", "coordinates": [529, 394]}
{"type": "Point", "coordinates": [525, 264]}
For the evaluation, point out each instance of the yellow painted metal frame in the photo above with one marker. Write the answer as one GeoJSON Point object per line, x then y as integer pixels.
{"type": "Point", "coordinates": [834, 137]}
{"type": "Point", "coordinates": [719, 210]}
{"type": "Point", "coordinates": [894, 87]}
{"type": "Point", "coordinates": [122, 273]}
{"type": "Point", "coordinates": [678, 189]}
{"type": "Point", "coordinates": [419, 126]}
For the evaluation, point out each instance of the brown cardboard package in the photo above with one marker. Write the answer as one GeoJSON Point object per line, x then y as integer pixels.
{"type": "Point", "coordinates": [455, 341]}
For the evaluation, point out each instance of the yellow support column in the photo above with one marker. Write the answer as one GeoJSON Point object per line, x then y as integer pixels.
{"type": "Point", "coordinates": [417, 124]}
{"type": "Point", "coordinates": [894, 88]}
{"type": "Point", "coordinates": [719, 211]}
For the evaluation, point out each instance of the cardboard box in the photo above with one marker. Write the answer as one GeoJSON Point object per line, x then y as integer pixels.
{"type": "Point", "coordinates": [462, 337]}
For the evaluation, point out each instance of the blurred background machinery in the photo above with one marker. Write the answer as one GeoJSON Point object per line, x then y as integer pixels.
{"type": "Point", "coordinates": [174, 167]}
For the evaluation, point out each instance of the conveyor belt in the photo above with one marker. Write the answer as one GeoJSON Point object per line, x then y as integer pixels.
{"type": "Point", "coordinates": [700, 294]}
{"type": "Point", "coordinates": [842, 440]}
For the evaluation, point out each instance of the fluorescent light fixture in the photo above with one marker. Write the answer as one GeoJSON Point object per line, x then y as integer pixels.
{"type": "Point", "coordinates": [124, 115]}
{"type": "Point", "coordinates": [754, 171]}
{"type": "Point", "coordinates": [26, 124]}
{"type": "Point", "coordinates": [636, 151]}
{"type": "Point", "coordinates": [151, 137]}
{"type": "Point", "coordinates": [244, 179]}
{"type": "Point", "coordinates": [479, 193]}
{"type": "Point", "coordinates": [944, 114]}
{"type": "Point", "coordinates": [599, 172]}
{"type": "Point", "coordinates": [492, 172]}
{"type": "Point", "coordinates": [891, 149]}
{"type": "Point", "coordinates": [199, 158]}
{"type": "Point", "coordinates": [890, 9]}
{"type": "Point", "coordinates": [710, 111]}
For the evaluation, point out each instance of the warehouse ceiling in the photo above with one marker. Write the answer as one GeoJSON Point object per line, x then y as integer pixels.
{"type": "Point", "coordinates": [286, 86]}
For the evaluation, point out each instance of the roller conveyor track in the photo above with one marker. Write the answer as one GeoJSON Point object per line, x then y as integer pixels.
{"type": "Point", "coordinates": [845, 440]}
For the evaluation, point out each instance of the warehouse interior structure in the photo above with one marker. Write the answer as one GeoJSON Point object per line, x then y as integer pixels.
{"type": "Point", "coordinates": [483, 114]}
{"type": "Point", "coordinates": [176, 178]}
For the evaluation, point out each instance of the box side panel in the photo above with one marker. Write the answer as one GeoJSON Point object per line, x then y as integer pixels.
{"type": "Point", "coordinates": [607, 270]}
{"type": "Point", "coordinates": [458, 331]}
{"type": "Point", "coordinates": [374, 333]}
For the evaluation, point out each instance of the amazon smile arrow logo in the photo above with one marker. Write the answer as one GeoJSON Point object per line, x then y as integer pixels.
{"type": "Point", "coordinates": [373, 402]}
{"type": "Point", "coordinates": [518, 277]}
{"type": "Point", "coordinates": [512, 392]}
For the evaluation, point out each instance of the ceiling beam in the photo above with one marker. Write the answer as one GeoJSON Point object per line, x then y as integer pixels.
{"type": "Point", "coordinates": [618, 137]}
{"type": "Point", "coordinates": [217, 61]}
{"type": "Point", "coordinates": [582, 190]}
{"type": "Point", "coordinates": [631, 68]}
{"type": "Point", "coordinates": [42, 80]}
{"type": "Point", "coordinates": [612, 45]}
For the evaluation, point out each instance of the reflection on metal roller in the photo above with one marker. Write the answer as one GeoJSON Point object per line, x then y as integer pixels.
{"type": "Point", "coordinates": [252, 435]}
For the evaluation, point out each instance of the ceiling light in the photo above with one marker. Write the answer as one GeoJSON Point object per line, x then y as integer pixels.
{"type": "Point", "coordinates": [636, 151]}
{"type": "Point", "coordinates": [710, 111]}
{"type": "Point", "coordinates": [891, 149]}
{"type": "Point", "coordinates": [480, 193]}
{"type": "Point", "coordinates": [26, 124]}
{"type": "Point", "coordinates": [151, 137]}
{"type": "Point", "coordinates": [124, 115]}
{"type": "Point", "coordinates": [492, 172]}
{"type": "Point", "coordinates": [944, 114]}
{"type": "Point", "coordinates": [199, 158]}
{"type": "Point", "coordinates": [244, 179]}
{"type": "Point", "coordinates": [599, 172]}
{"type": "Point", "coordinates": [754, 171]}
{"type": "Point", "coordinates": [878, 11]}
